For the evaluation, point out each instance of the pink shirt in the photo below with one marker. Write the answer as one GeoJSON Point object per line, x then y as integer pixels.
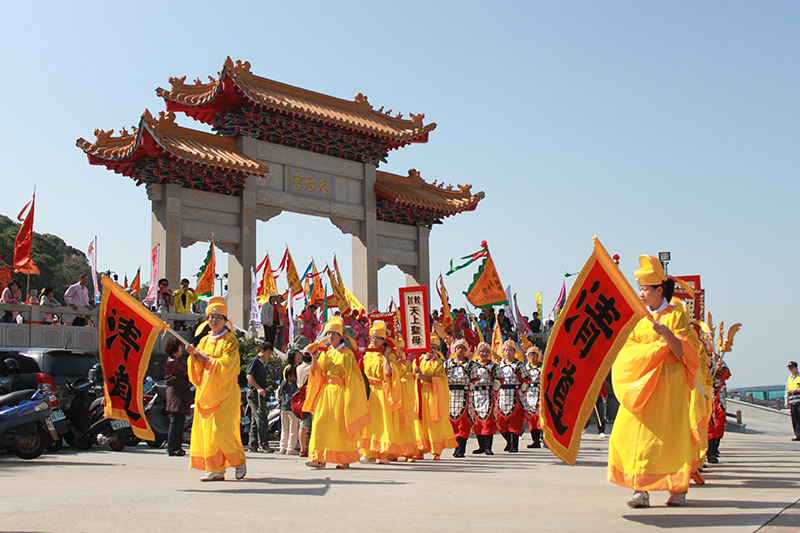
{"type": "Point", "coordinates": [77, 295]}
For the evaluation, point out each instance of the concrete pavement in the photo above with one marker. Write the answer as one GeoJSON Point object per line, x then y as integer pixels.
{"type": "Point", "coordinates": [756, 485]}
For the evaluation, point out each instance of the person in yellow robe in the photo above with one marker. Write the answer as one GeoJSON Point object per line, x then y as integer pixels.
{"type": "Point", "coordinates": [214, 370]}
{"type": "Point", "coordinates": [338, 400]}
{"type": "Point", "coordinates": [434, 431]}
{"type": "Point", "coordinates": [651, 445]}
{"type": "Point", "coordinates": [379, 440]}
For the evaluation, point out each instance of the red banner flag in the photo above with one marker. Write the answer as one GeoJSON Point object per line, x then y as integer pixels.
{"type": "Point", "coordinates": [24, 240]}
{"type": "Point", "coordinates": [126, 334]}
{"type": "Point", "coordinates": [599, 314]}
{"type": "Point", "coordinates": [136, 284]}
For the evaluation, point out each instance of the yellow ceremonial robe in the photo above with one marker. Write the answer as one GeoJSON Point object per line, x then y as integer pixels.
{"type": "Point", "coordinates": [337, 397]}
{"type": "Point", "coordinates": [407, 413]}
{"type": "Point", "coordinates": [651, 445]}
{"type": "Point", "coordinates": [434, 432]}
{"type": "Point", "coordinates": [216, 439]}
{"type": "Point", "coordinates": [379, 437]}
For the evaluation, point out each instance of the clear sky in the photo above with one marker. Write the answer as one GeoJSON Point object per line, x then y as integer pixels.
{"type": "Point", "coordinates": [658, 126]}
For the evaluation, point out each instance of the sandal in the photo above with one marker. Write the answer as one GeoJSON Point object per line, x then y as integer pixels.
{"type": "Point", "coordinates": [342, 466]}
{"type": "Point", "coordinates": [315, 464]}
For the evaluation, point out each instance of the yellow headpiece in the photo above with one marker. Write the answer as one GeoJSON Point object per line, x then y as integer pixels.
{"type": "Point", "coordinates": [335, 324]}
{"type": "Point", "coordinates": [378, 329]}
{"type": "Point", "coordinates": [652, 273]}
{"type": "Point", "coordinates": [217, 306]}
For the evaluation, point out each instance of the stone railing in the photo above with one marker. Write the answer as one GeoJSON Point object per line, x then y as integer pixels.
{"type": "Point", "coordinates": [34, 333]}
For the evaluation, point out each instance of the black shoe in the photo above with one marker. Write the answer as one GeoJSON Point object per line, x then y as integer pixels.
{"type": "Point", "coordinates": [507, 436]}
{"type": "Point", "coordinates": [534, 445]}
{"type": "Point", "coordinates": [481, 444]}
{"type": "Point", "coordinates": [479, 450]}
{"type": "Point", "coordinates": [795, 438]}
{"type": "Point", "coordinates": [489, 452]}
{"type": "Point", "coordinates": [514, 444]}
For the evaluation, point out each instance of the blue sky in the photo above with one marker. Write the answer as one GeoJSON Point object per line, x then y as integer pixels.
{"type": "Point", "coordinates": [657, 126]}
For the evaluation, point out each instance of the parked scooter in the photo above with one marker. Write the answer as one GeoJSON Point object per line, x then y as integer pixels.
{"type": "Point", "coordinates": [106, 430]}
{"type": "Point", "coordinates": [24, 431]}
{"type": "Point", "coordinates": [77, 409]}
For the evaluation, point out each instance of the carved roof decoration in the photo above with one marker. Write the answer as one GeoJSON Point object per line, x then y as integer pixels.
{"type": "Point", "coordinates": [158, 136]}
{"type": "Point", "coordinates": [236, 87]}
{"type": "Point", "coordinates": [417, 202]}
{"type": "Point", "coordinates": [196, 159]}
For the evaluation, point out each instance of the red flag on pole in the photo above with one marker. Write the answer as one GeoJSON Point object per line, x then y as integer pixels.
{"type": "Point", "coordinates": [597, 318]}
{"type": "Point", "coordinates": [24, 240]}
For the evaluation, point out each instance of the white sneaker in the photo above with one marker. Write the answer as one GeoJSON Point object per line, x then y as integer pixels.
{"type": "Point", "coordinates": [639, 500]}
{"type": "Point", "coordinates": [213, 476]}
{"type": "Point", "coordinates": [677, 500]}
{"type": "Point", "coordinates": [241, 471]}
{"type": "Point", "coordinates": [602, 435]}
{"type": "Point", "coordinates": [366, 460]}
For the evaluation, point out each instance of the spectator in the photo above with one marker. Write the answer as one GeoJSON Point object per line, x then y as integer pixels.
{"type": "Point", "coordinates": [257, 399]}
{"type": "Point", "coordinates": [270, 318]}
{"type": "Point", "coordinates": [179, 396]}
{"type": "Point", "coordinates": [310, 323]}
{"type": "Point", "coordinates": [535, 323]}
{"type": "Point", "coordinates": [289, 420]}
{"type": "Point", "coordinates": [302, 381]}
{"type": "Point", "coordinates": [185, 302]}
{"type": "Point", "coordinates": [47, 299]}
{"type": "Point", "coordinates": [77, 296]}
{"type": "Point", "coordinates": [11, 295]}
{"type": "Point", "coordinates": [164, 296]}
{"type": "Point", "coordinates": [793, 397]}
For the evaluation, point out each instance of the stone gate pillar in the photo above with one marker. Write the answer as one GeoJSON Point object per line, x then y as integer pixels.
{"type": "Point", "coordinates": [419, 274]}
{"type": "Point", "coordinates": [166, 228]}
{"type": "Point", "coordinates": [239, 263]}
{"type": "Point", "coordinates": [365, 247]}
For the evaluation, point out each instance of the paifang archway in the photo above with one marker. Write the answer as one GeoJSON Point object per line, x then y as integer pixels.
{"type": "Point", "coordinates": [279, 148]}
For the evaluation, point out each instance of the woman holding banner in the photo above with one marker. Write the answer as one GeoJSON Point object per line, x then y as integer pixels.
{"type": "Point", "coordinates": [214, 370]}
{"type": "Point", "coordinates": [651, 446]}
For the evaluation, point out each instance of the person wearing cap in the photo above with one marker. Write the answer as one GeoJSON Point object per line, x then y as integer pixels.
{"type": "Point", "coordinates": [462, 372]}
{"type": "Point", "coordinates": [793, 397]}
{"type": "Point", "coordinates": [651, 446]}
{"type": "Point", "coordinates": [511, 403]}
{"type": "Point", "coordinates": [338, 400]}
{"type": "Point", "coordinates": [433, 428]}
{"type": "Point", "coordinates": [484, 401]}
{"type": "Point", "coordinates": [379, 441]}
{"type": "Point", "coordinates": [270, 317]}
{"type": "Point", "coordinates": [214, 370]}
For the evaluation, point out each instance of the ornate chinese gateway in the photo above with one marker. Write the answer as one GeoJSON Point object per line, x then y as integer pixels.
{"type": "Point", "coordinates": [279, 148]}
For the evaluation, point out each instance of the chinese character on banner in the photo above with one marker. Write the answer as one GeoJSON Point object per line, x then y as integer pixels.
{"type": "Point", "coordinates": [599, 314]}
{"type": "Point", "coordinates": [126, 334]}
{"type": "Point", "coordinates": [415, 316]}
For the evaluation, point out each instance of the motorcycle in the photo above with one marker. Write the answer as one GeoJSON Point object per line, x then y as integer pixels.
{"type": "Point", "coordinates": [159, 419]}
{"type": "Point", "coordinates": [24, 430]}
{"type": "Point", "coordinates": [77, 413]}
{"type": "Point", "coordinates": [106, 430]}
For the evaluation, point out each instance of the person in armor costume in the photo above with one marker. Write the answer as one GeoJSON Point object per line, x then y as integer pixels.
{"type": "Point", "coordinates": [462, 372]}
{"type": "Point", "coordinates": [378, 442]}
{"type": "Point", "coordinates": [515, 379]}
{"type": "Point", "coordinates": [716, 424]}
{"type": "Point", "coordinates": [534, 366]}
{"type": "Point", "coordinates": [484, 401]}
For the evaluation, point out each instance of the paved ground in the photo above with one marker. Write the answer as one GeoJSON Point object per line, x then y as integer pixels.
{"type": "Point", "coordinates": [756, 487]}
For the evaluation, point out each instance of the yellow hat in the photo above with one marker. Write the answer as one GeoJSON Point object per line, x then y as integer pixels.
{"type": "Point", "coordinates": [217, 306]}
{"type": "Point", "coordinates": [335, 324]}
{"type": "Point", "coordinates": [378, 329]}
{"type": "Point", "coordinates": [650, 271]}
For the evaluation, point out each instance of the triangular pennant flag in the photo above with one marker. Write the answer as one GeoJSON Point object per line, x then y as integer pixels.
{"type": "Point", "coordinates": [207, 273]}
{"type": "Point", "coordinates": [486, 289]}
{"type": "Point", "coordinates": [267, 285]}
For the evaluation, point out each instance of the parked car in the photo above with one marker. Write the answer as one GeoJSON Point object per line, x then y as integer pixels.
{"type": "Point", "coordinates": [53, 366]}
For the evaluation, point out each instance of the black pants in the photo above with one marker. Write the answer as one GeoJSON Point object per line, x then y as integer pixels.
{"type": "Point", "coordinates": [175, 435]}
{"type": "Point", "coordinates": [269, 333]}
{"type": "Point", "coordinates": [795, 412]}
{"type": "Point", "coordinates": [79, 321]}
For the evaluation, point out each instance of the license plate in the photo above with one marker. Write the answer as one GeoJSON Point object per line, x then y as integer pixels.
{"type": "Point", "coordinates": [57, 415]}
{"type": "Point", "coordinates": [120, 424]}
{"type": "Point", "coordinates": [245, 420]}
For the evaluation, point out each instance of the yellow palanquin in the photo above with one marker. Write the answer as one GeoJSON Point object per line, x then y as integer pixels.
{"type": "Point", "coordinates": [652, 445]}
{"type": "Point", "coordinates": [434, 432]}
{"type": "Point", "coordinates": [337, 398]}
{"type": "Point", "coordinates": [216, 439]}
{"type": "Point", "coordinates": [379, 438]}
